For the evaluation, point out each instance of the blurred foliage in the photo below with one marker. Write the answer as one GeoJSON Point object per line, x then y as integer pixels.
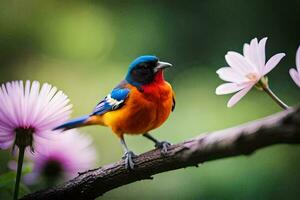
{"type": "Point", "coordinates": [84, 48]}
{"type": "Point", "coordinates": [7, 183]}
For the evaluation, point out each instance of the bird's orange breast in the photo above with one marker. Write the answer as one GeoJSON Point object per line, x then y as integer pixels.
{"type": "Point", "coordinates": [142, 111]}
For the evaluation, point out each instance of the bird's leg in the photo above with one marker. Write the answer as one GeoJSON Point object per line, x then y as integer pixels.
{"type": "Point", "coordinates": [128, 155]}
{"type": "Point", "coordinates": [163, 145]}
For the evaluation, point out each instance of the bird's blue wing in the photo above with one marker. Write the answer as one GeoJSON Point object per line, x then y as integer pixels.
{"type": "Point", "coordinates": [112, 101]}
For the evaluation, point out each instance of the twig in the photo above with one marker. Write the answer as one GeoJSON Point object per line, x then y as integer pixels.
{"type": "Point", "coordinates": [281, 128]}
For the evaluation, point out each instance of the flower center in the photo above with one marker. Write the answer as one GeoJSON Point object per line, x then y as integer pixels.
{"type": "Point", "coordinates": [24, 137]}
{"type": "Point", "coordinates": [52, 170]}
{"type": "Point", "coordinates": [253, 77]}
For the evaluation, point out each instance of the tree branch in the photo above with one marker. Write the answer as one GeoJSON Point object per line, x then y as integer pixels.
{"type": "Point", "coordinates": [281, 128]}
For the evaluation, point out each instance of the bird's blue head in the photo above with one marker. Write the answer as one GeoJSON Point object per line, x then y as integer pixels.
{"type": "Point", "coordinates": [144, 69]}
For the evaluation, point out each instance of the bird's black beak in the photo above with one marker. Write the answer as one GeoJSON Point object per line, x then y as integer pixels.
{"type": "Point", "coordinates": [162, 65]}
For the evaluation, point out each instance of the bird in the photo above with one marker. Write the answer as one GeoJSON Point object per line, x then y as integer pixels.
{"type": "Point", "coordinates": [140, 103]}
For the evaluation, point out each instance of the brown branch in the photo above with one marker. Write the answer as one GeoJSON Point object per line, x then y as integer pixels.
{"type": "Point", "coordinates": [281, 128]}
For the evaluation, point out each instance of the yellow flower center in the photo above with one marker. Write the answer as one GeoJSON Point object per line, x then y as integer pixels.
{"type": "Point", "coordinates": [253, 77]}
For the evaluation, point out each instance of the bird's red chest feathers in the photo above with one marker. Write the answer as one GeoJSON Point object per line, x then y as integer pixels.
{"type": "Point", "coordinates": [158, 90]}
{"type": "Point", "coordinates": [143, 111]}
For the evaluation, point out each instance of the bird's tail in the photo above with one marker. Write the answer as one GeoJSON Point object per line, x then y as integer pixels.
{"type": "Point", "coordinates": [74, 123]}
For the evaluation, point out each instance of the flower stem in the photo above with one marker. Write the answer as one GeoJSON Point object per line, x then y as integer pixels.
{"type": "Point", "coordinates": [275, 98]}
{"type": "Point", "coordinates": [19, 171]}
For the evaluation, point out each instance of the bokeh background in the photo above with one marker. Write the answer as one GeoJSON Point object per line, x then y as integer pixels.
{"type": "Point", "coordinates": [84, 48]}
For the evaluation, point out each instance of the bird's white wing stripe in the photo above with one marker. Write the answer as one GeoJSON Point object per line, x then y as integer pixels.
{"type": "Point", "coordinates": [113, 102]}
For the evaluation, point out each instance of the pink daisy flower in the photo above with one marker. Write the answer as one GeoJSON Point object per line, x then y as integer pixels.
{"type": "Point", "coordinates": [29, 112]}
{"type": "Point", "coordinates": [295, 74]}
{"type": "Point", "coordinates": [245, 71]}
{"type": "Point", "coordinates": [62, 157]}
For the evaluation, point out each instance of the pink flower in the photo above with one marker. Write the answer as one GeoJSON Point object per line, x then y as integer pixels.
{"type": "Point", "coordinates": [63, 156]}
{"type": "Point", "coordinates": [246, 70]}
{"type": "Point", "coordinates": [295, 74]}
{"type": "Point", "coordinates": [28, 112]}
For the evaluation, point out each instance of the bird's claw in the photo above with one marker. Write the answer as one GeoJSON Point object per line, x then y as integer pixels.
{"type": "Point", "coordinates": [163, 146]}
{"type": "Point", "coordinates": [128, 158]}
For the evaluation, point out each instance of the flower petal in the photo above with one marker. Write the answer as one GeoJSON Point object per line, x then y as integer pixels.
{"type": "Point", "coordinates": [229, 74]}
{"type": "Point", "coordinates": [73, 151]}
{"type": "Point", "coordinates": [246, 50]}
{"type": "Point", "coordinates": [272, 62]}
{"type": "Point", "coordinates": [6, 144]}
{"type": "Point", "coordinates": [235, 98]}
{"type": "Point", "coordinates": [253, 53]}
{"type": "Point", "coordinates": [26, 105]}
{"type": "Point", "coordinates": [295, 76]}
{"type": "Point", "coordinates": [262, 53]}
{"type": "Point", "coordinates": [228, 88]}
{"type": "Point", "coordinates": [239, 63]}
{"type": "Point", "coordinates": [298, 59]}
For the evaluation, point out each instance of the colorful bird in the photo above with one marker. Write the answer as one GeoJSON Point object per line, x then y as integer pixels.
{"type": "Point", "coordinates": [138, 104]}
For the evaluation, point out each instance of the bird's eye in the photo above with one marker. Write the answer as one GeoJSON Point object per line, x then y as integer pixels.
{"type": "Point", "coordinates": [147, 65]}
{"type": "Point", "coordinates": [143, 65]}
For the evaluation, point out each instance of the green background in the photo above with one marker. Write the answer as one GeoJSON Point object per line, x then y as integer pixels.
{"type": "Point", "coordinates": [84, 48]}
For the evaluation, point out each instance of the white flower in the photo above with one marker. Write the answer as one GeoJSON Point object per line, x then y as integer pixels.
{"type": "Point", "coordinates": [295, 74]}
{"type": "Point", "coordinates": [246, 70]}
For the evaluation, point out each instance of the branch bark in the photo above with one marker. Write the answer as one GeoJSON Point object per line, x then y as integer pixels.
{"type": "Point", "coordinates": [281, 128]}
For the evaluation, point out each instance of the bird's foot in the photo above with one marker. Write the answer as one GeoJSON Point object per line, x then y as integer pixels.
{"type": "Point", "coordinates": [163, 146]}
{"type": "Point", "coordinates": [128, 158]}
